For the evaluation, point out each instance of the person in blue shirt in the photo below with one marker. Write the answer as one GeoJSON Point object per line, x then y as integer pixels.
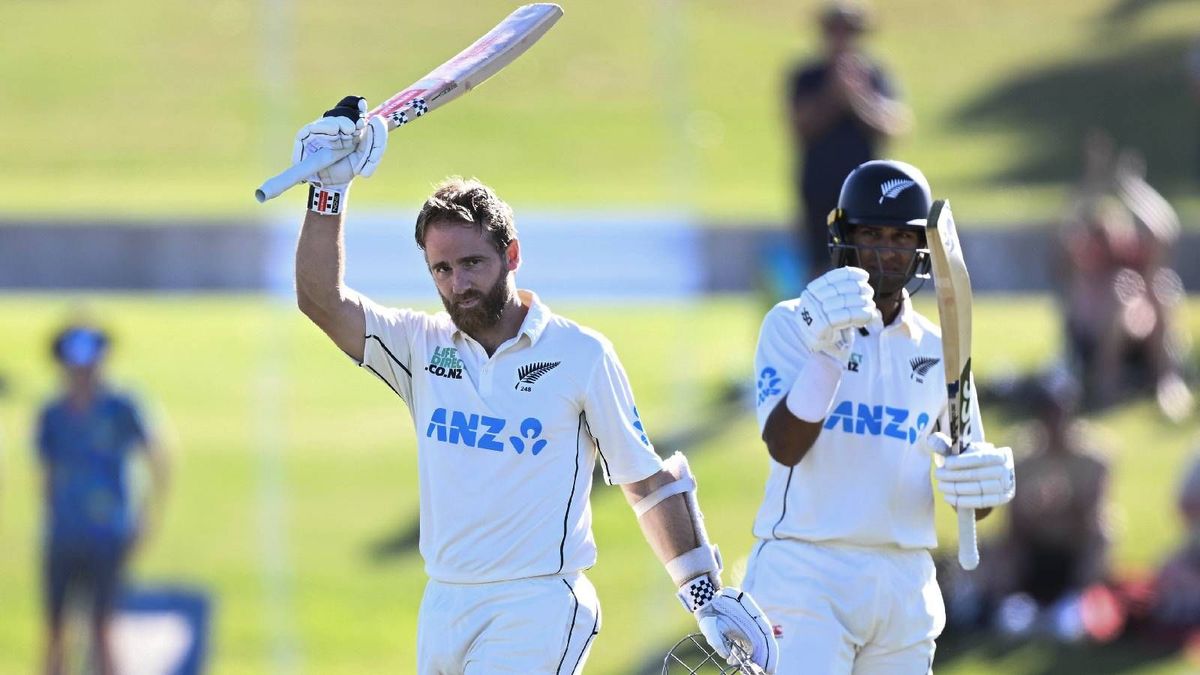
{"type": "Point", "coordinates": [87, 437]}
{"type": "Point", "coordinates": [842, 107]}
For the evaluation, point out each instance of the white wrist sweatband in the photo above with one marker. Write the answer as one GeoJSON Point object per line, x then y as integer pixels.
{"type": "Point", "coordinates": [703, 560]}
{"type": "Point", "coordinates": [327, 201]}
{"type": "Point", "coordinates": [812, 394]}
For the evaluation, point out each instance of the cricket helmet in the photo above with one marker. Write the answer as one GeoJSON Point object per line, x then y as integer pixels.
{"type": "Point", "coordinates": [881, 192]}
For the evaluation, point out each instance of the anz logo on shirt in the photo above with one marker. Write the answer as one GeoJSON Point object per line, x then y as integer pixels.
{"type": "Point", "coordinates": [876, 420]}
{"type": "Point", "coordinates": [486, 433]}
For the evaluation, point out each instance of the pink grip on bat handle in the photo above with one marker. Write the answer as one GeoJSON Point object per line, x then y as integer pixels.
{"type": "Point", "coordinates": [968, 543]}
{"type": "Point", "coordinates": [296, 173]}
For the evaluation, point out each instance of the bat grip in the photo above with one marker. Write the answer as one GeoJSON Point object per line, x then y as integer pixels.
{"type": "Point", "coordinates": [297, 172]}
{"type": "Point", "coordinates": [968, 543]}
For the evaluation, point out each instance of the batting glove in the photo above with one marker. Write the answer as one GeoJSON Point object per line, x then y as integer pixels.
{"type": "Point", "coordinates": [731, 616]}
{"type": "Point", "coordinates": [831, 307]}
{"type": "Point", "coordinates": [981, 477]}
{"type": "Point", "coordinates": [344, 127]}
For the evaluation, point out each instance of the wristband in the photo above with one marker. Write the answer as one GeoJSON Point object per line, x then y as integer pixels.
{"type": "Point", "coordinates": [697, 592]}
{"type": "Point", "coordinates": [816, 385]}
{"type": "Point", "coordinates": [327, 201]}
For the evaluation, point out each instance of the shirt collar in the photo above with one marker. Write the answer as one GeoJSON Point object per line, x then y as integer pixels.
{"type": "Point", "coordinates": [906, 319]}
{"type": "Point", "coordinates": [537, 317]}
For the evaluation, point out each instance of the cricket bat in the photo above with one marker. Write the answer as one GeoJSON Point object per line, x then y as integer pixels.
{"type": "Point", "coordinates": [953, 285]}
{"type": "Point", "coordinates": [470, 68]}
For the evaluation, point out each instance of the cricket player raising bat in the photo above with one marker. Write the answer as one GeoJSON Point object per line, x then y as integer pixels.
{"type": "Point", "coordinates": [850, 386]}
{"type": "Point", "coordinates": [512, 404]}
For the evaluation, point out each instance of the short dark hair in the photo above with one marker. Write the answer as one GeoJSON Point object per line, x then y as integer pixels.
{"type": "Point", "coordinates": [849, 13]}
{"type": "Point", "coordinates": [470, 202]}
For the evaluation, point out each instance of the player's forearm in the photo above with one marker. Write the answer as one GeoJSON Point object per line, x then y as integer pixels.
{"type": "Point", "coordinates": [670, 518]}
{"type": "Point", "coordinates": [320, 266]}
{"type": "Point", "coordinates": [788, 437]}
{"type": "Point", "coordinates": [668, 529]}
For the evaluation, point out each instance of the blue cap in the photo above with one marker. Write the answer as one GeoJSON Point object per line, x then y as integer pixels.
{"type": "Point", "coordinates": [80, 347]}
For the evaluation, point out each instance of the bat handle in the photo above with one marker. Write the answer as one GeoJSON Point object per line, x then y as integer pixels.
{"type": "Point", "coordinates": [297, 172]}
{"type": "Point", "coordinates": [968, 543]}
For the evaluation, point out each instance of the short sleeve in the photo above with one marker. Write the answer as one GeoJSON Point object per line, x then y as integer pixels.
{"type": "Point", "coordinates": [387, 347]}
{"type": "Point", "coordinates": [777, 361]}
{"type": "Point", "coordinates": [613, 421]}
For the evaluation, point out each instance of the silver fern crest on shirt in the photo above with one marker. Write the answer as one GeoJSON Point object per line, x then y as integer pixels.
{"type": "Point", "coordinates": [892, 188]}
{"type": "Point", "coordinates": [921, 366]}
{"type": "Point", "coordinates": [532, 372]}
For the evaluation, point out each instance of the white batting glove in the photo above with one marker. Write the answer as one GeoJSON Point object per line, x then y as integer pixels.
{"type": "Point", "coordinates": [831, 307]}
{"type": "Point", "coordinates": [343, 127]}
{"type": "Point", "coordinates": [981, 477]}
{"type": "Point", "coordinates": [728, 616]}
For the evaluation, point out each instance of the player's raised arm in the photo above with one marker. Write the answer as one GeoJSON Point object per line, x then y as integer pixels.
{"type": "Point", "coordinates": [802, 351]}
{"type": "Point", "coordinates": [321, 291]}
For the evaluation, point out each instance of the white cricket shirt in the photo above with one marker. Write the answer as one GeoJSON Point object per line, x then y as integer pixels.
{"type": "Point", "coordinates": [506, 444]}
{"type": "Point", "coordinates": [865, 480]}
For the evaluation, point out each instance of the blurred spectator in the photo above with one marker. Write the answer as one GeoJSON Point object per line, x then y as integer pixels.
{"type": "Point", "coordinates": [841, 108]}
{"type": "Point", "coordinates": [1121, 301]}
{"type": "Point", "coordinates": [1056, 543]}
{"type": "Point", "coordinates": [86, 437]}
{"type": "Point", "coordinates": [1177, 584]}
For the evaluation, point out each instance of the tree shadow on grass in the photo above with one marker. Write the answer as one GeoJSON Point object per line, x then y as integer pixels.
{"type": "Point", "coordinates": [1140, 95]}
{"type": "Point", "coordinates": [1123, 11]}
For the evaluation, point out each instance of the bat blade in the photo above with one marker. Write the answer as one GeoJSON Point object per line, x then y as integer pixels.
{"type": "Point", "coordinates": [953, 287]}
{"type": "Point", "coordinates": [468, 69]}
{"type": "Point", "coordinates": [472, 66]}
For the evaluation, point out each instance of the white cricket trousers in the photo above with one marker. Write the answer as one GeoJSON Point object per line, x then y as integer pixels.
{"type": "Point", "coordinates": [842, 610]}
{"type": "Point", "coordinates": [536, 626]}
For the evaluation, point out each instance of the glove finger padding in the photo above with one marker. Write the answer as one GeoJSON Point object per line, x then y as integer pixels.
{"type": "Point", "coordinates": [847, 317]}
{"type": "Point", "coordinates": [991, 472]}
{"type": "Point", "coordinates": [370, 148]}
{"type": "Point", "coordinates": [978, 454]}
{"type": "Point", "coordinates": [732, 615]}
{"type": "Point", "coordinates": [937, 443]}
{"type": "Point", "coordinates": [358, 143]}
{"type": "Point", "coordinates": [981, 477]}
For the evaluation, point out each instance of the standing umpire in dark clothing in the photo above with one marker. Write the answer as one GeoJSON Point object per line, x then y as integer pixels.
{"type": "Point", "coordinates": [841, 108]}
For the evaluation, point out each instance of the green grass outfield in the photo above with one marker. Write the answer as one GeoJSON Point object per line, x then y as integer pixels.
{"type": "Point", "coordinates": [169, 109]}
{"type": "Point", "coordinates": [256, 404]}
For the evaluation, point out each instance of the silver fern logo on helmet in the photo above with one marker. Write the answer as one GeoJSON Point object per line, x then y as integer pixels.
{"type": "Point", "coordinates": [892, 188]}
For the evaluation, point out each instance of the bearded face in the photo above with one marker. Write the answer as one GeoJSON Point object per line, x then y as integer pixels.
{"type": "Point", "coordinates": [473, 278]}
{"type": "Point", "coordinates": [474, 311]}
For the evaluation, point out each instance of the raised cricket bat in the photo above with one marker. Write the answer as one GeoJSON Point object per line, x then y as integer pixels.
{"type": "Point", "coordinates": [470, 68]}
{"type": "Point", "coordinates": [953, 285]}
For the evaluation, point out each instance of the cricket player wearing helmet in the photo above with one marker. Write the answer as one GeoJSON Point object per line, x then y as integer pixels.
{"type": "Point", "coordinates": [512, 405]}
{"type": "Point", "coordinates": [850, 386]}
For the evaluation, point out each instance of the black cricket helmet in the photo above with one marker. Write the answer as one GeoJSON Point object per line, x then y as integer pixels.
{"type": "Point", "coordinates": [881, 192]}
